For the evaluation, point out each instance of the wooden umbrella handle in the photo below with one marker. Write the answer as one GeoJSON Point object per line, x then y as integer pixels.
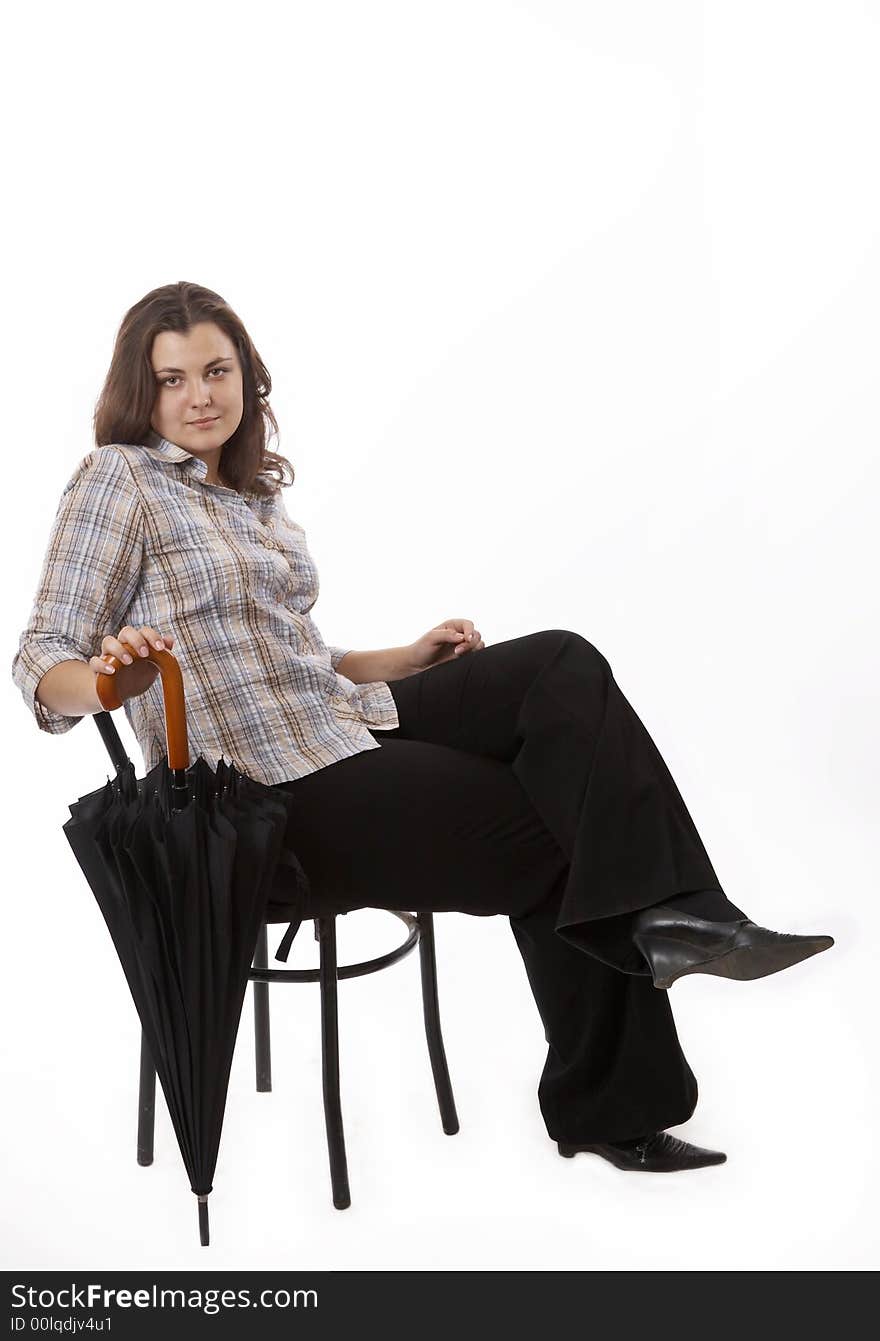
{"type": "Point", "coordinates": [172, 692]}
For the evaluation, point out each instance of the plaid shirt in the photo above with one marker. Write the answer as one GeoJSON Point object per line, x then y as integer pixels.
{"type": "Point", "coordinates": [140, 538]}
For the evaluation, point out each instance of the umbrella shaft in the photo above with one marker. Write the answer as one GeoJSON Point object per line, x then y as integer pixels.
{"type": "Point", "coordinates": [179, 789]}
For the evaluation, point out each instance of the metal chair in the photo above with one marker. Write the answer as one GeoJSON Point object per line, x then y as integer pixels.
{"type": "Point", "coordinates": [420, 932]}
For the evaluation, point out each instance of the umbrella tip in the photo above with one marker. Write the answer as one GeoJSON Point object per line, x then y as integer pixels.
{"type": "Point", "coordinates": [203, 1220]}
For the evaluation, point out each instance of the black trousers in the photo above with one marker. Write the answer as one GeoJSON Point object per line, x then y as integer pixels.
{"type": "Point", "coordinates": [521, 781]}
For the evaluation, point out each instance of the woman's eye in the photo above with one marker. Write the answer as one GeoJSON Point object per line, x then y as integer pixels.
{"type": "Point", "coordinates": [169, 380]}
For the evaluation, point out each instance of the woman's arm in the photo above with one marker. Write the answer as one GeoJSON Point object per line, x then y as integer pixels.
{"type": "Point", "coordinates": [388, 663]}
{"type": "Point", "coordinates": [452, 639]}
{"type": "Point", "coordinates": [70, 689]}
{"type": "Point", "coordinates": [90, 573]}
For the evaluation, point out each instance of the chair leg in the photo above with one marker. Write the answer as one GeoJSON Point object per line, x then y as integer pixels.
{"type": "Point", "coordinates": [262, 1051]}
{"type": "Point", "coordinates": [146, 1105]}
{"type": "Point", "coordinates": [325, 933]}
{"type": "Point", "coordinates": [428, 963]}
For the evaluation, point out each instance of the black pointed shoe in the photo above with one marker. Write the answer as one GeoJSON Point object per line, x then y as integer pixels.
{"type": "Point", "coordinates": [675, 943]}
{"type": "Point", "coordinates": [660, 1153]}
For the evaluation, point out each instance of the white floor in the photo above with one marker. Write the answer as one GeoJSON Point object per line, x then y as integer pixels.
{"type": "Point", "coordinates": [785, 1090]}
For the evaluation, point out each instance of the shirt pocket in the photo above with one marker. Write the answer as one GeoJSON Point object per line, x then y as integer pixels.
{"type": "Point", "coordinates": [193, 565]}
{"type": "Point", "coordinates": [180, 530]}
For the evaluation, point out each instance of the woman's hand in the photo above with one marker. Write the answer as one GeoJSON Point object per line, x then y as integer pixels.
{"type": "Point", "coordinates": [449, 641]}
{"type": "Point", "coordinates": [131, 647]}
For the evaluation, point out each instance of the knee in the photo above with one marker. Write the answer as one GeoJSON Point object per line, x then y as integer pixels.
{"type": "Point", "coordinates": [585, 649]}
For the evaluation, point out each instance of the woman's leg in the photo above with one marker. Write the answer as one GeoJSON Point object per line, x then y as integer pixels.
{"type": "Point", "coordinates": [418, 825]}
{"type": "Point", "coordinates": [615, 1069]}
{"type": "Point", "coordinates": [547, 705]}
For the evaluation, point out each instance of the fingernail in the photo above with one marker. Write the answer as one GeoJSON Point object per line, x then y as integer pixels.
{"type": "Point", "coordinates": [159, 644]}
{"type": "Point", "coordinates": [126, 658]}
{"type": "Point", "coordinates": [144, 651]}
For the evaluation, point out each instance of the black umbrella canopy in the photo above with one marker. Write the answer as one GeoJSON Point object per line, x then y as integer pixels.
{"type": "Point", "coordinates": [181, 863]}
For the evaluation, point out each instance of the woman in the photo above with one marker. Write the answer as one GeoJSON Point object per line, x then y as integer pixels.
{"type": "Point", "coordinates": [439, 775]}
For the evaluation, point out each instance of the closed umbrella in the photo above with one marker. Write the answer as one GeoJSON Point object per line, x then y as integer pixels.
{"type": "Point", "coordinates": [181, 863]}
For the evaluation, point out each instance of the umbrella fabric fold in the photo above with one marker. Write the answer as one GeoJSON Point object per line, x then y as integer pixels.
{"type": "Point", "coordinates": [183, 892]}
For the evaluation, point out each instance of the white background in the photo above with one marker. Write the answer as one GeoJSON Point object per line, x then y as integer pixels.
{"type": "Point", "coordinates": [571, 311]}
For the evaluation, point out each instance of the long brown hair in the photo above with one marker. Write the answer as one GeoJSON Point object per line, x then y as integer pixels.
{"type": "Point", "coordinates": [125, 404]}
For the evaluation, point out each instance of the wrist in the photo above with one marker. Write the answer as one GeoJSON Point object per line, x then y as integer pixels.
{"type": "Point", "coordinates": [387, 663]}
{"type": "Point", "coordinates": [69, 688]}
{"type": "Point", "coordinates": [402, 663]}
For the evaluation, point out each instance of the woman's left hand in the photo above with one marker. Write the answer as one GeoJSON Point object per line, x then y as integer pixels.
{"type": "Point", "coordinates": [451, 640]}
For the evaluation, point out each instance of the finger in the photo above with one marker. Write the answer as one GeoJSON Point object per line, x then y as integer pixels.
{"type": "Point", "coordinates": [464, 626]}
{"type": "Point", "coordinates": [155, 638]}
{"type": "Point", "coordinates": [111, 646]}
{"type": "Point", "coordinates": [101, 667]}
{"type": "Point", "coordinates": [472, 643]}
{"type": "Point", "coordinates": [135, 640]}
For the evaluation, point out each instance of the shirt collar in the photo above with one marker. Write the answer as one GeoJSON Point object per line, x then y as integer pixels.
{"type": "Point", "coordinates": [169, 451]}
{"type": "Point", "coordinates": [164, 450]}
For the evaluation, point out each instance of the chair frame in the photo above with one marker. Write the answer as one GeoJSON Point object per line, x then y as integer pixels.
{"type": "Point", "coordinates": [420, 928]}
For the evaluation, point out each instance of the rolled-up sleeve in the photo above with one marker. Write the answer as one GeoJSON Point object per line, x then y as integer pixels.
{"type": "Point", "coordinates": [336, 654]}
{"type": "Point", "coordinates": [89, 577]}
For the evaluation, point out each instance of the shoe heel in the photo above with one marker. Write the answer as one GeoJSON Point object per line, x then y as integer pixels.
{"type": "Point", "coordinates": [566, 1151]}
{"type": "Point", "coordinates": [652, 952]}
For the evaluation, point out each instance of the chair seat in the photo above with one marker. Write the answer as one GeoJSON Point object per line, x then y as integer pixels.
{"type": "Point", "coordinates": [282, 912]}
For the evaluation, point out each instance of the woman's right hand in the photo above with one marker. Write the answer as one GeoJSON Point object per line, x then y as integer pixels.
{"type": "Point", "coordinates": [137, 672]}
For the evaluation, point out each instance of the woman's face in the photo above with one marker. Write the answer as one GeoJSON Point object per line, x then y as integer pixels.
{"type": "Point", "coordinates": [198, 376]}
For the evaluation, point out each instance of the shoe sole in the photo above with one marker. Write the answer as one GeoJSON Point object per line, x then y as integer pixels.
{"type": "Point", "coordinates": [569, 1152]}
{"type": "Point", "coordinates": [745, 963]}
